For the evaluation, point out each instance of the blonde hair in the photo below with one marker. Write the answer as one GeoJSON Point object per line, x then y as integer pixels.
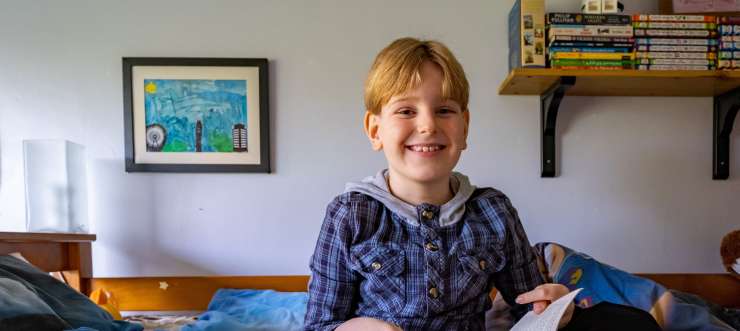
{"type": "Point", "coordinates": [397, 69]}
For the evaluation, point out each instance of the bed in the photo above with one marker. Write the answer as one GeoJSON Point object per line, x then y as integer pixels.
{"type": "Point", "coordinates": [71, 254]}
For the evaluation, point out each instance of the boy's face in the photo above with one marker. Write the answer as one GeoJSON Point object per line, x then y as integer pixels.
{"type": "Point", "coordinates": [421, 135]}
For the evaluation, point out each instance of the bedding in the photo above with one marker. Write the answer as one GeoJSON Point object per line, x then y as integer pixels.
{"type": "Point", "coordinates": [169, 321]}
{"type": "Point", "coordinates": [673, 310]}
{"type": "Point", "coordinates": [31, 299]}
{"type": "Point", "coordinates": [254, 310]}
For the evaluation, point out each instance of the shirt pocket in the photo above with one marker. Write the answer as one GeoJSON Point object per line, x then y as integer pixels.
{"type": "Point", "coordinates": [383, 269]}
{"type": "Point", "coordinates": [474, 271]}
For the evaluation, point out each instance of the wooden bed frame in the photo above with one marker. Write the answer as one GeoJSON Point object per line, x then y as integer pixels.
{"type": "Point", "coordinates": [72, 254]}
{"type": "Point", "coordinates": [194, 293]}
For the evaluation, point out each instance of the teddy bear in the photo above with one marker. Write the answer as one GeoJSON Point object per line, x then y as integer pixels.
{"type": "Point", "coordinates": [730, 251]}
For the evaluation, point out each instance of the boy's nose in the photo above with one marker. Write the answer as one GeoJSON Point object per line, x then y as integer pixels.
{"type": "Point", "coordinates": [426, 125]}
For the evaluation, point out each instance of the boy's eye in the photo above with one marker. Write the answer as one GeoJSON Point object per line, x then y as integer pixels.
{"type": "Point", "coordinates": [446, 111]}
{"type": "Point", "coordinates": [405, 111]}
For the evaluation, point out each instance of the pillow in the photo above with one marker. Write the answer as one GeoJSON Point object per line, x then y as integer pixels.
{"type": "Point", "coordinates": [22, 309]}
{"type": "Point", "coordinates": [602, 282]}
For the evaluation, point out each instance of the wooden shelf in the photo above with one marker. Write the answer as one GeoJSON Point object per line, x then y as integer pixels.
{"type": "Point", "coordinates": [622, 82]}
{"type": "Point", "coordinates": [551, 85]}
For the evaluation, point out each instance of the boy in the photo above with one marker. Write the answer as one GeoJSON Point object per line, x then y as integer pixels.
{"type": "Point", "coordinates": [417, 247]}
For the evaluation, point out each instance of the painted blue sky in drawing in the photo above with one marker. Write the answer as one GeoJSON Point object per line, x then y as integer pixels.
{"type": "Point", "coordinates": [177, 105]}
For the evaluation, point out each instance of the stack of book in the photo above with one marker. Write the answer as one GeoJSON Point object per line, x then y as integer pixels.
{"type": "Point", "coordinates": [675, 42]}
{"type": "Point", "coordinates": [590, 41]}
{"type": "Point", "coordinates": [729, 42]}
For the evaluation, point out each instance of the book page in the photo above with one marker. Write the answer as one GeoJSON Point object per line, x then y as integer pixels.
{"type": "Point", "coordinates": [547, 320]}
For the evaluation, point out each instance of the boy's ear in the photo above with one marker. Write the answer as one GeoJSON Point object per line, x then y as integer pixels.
{"type": "Point", "coordinates": [371, 130]}
{"type": "Point", "coordinates": [466, 117]}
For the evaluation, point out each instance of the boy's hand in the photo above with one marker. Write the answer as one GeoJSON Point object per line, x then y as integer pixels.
{"type": "Point", "coordinates": [543, 295]}
{"type": "Point", "coordinates": [367, 324]}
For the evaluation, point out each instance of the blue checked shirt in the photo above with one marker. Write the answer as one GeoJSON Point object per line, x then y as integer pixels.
{"type": "Point", "coordinates": [369, 262]}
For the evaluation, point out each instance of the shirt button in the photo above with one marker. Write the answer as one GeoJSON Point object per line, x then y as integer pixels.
{"type": "Point", "coordinates": [431, 247]}
{"type": "Point", "coordinates": [376, 265]}
{"type": "Point", "coordinates": [482, 264]}
{"type": "Point", "coordinates": [427, 214]}
{"type": "Point", "coordinates": [433, 292]}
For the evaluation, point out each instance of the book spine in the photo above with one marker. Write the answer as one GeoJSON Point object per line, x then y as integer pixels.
{"type": "Point", "coordinates": [674, 67]}
{"type": "Point", "coordinates": [729, 30]}
{"type": "Point", "coordinates": [592, 56]}
{"type": "Point", "coordinates": [590, 49]}
{"type": "Point", "coordinates": [675, 25]}
{"type": "Point", "coordinates": [555, 38]}
{"type": "Point", "coordinates": [728, 19]}
{"type": "Point", "coordinates": [728, 64]}
{"type": "Point", "coordinates": [676, 61]}
{"type": "Point", "coordinates": [592, 67]}
{"type": "Point", "coordinates": [592, 30]}
{"type": "Point", "coordinates": [588, 44]}
{"type": "Point", "coordinates": [515, 35]}
{"type": "Point", "coordinates": [676, 41]}
{"type": "Point", "coordinates": [675, 48]}
{"type": "Point", "coordinates": [730, 38]}
{"type": "Point", "coordinates": [729, 55]}
{"type": "Point", "coordinates": [589, 19]}
{"type": "Point", "coordinates": [676, 33]}
{"type": "Point", "coordinates": [572, 62]}
{"type": "Point", "coordinates": [729, 45]}
{"type": "Point", "coordinates": [675, 18]}
{"type": "Point", "coordinates": [674, 55]}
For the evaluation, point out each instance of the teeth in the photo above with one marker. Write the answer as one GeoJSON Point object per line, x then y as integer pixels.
{"type": "Point", "coordinates": [417, 148]}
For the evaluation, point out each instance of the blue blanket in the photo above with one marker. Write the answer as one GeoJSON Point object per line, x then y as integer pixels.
{"type": "Point", "coordinates": [253, 310]}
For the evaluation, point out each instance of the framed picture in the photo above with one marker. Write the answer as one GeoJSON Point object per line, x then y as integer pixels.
{"type": "Point", "coordinates": [196, 115]}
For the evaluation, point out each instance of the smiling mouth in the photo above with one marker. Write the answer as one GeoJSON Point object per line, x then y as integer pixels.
{"type": "Point", "coordinates": [426, 148]}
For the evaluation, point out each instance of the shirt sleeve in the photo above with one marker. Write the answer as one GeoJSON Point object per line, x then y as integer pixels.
{"type": "Point", "coordinates": [332, 290]}
{"type": "Point", "coordinates": [520, 274]}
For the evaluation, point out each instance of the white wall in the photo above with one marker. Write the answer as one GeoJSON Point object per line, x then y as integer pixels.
{"type": "Point", "coordinates": [635, 187]}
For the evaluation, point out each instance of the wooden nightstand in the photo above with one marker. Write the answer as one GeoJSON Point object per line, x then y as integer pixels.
{"type": "Point", "coordinates": [69, 253]}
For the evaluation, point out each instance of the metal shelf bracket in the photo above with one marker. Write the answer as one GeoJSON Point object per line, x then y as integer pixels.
{"type": "Point", "coordinates": [725, 110]}
{"type": "Point", "coordinates": [549, 104]}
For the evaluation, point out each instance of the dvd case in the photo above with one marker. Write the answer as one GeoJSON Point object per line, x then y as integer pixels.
{"type": "Point", "coordinates": [527, 34]}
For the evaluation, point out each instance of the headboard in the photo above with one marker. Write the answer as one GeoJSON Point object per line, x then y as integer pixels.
{"type": "Point", "coordinates": [68, 253]}
{"type": "Point", "coordinates": [194, 293]}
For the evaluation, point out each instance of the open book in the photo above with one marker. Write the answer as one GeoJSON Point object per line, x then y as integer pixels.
{"type": "Point", "coordinates": [547, 320]}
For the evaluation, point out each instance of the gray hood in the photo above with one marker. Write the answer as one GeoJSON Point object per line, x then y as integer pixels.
{"type": "Point", "coordinates": [449, 213]}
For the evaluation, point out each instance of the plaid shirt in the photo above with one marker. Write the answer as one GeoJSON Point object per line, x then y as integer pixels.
{"type": "Point", "coordinates": [369, 262]}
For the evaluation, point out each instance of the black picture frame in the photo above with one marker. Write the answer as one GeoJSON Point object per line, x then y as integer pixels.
{"type": "Point", "coordinates": [144, 157]}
